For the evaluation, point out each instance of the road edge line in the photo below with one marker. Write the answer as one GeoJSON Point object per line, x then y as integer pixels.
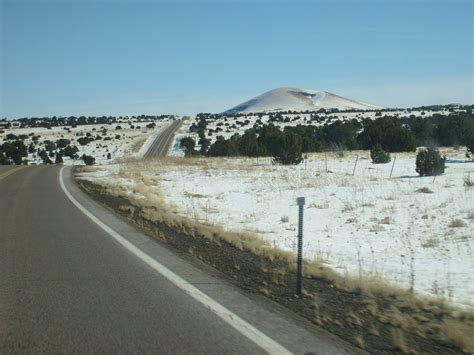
{"type": "Point", "coordinates": [243, 327]}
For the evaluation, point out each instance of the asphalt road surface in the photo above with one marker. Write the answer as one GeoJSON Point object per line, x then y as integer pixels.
{"type": "Point", "coordinates": [163, 140]}
{"type": "Point", "coordinates": [67, 286]}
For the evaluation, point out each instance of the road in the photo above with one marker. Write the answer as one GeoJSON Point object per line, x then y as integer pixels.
{"type": "Point", "coordinates": [163, 140]}
{"type": "Point", "coordinates": [67, 286]}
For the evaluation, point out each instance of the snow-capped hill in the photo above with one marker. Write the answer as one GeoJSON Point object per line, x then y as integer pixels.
{"type": "Point", "coordinates": [294, 99]}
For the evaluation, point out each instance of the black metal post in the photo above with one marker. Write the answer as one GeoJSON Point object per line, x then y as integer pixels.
{"type": "Point", "coordinates": [299, 263]}
{"type": "Point", "coordinates": [391, 171]}
{"type": "Point", "coordinates": [355, 165]}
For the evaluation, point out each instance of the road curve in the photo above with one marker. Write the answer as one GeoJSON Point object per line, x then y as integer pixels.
{"type": "Point", "coordinates": [162, 142]}
{"type": "Point", "coordinates": [67, 286]}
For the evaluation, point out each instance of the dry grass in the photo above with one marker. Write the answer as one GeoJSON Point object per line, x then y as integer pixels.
{"type": "Point", "coordinates": [460, 334]}
{"type": "Point", "coordinates": [359, 340]}
{"type": "Point", "coordinates": [457, 223]}
{"type": "Point", "coordinates": [398, 319]}
{"type": "Point", "coordinates": [138, 144]}
{"type": "Point", "coordinates": [374, 331]}
{"type": "Point", "coordinates": [193, 195]}
{"type": "Point", "coordinates": [87, 168]}
{"type": "Point", "coordinates": [467, 181]}
{"type": "Point", "coordinates": [323, 206]}
{"type": "Point", "coordinates": [155, 209]}
{"type": "Point", "coordinates": [398, 341]}
{"type": "Point", "coordinates": [348, 207]}
{"type": "Point", "coordinates": [470, 215]}
{"type": "Point", "coordinates": [431, 243]}
{"type": "Point", "coordinates": [284, 219]}
{"type": "Point", "coordinates": [424, 190]}
{"type": "Point", "coordinates": [354, 319]}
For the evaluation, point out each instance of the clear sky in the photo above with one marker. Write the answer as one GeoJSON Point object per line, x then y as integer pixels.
{"type": "Point", "coordinates": [117, 57]}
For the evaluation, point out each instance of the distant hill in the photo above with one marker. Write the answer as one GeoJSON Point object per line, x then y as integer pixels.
{"type": "Point", "coordinates": [295, 99]}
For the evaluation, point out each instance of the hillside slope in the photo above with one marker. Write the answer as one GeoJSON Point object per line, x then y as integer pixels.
{"type": "Point", "coordinates": [295, 99]}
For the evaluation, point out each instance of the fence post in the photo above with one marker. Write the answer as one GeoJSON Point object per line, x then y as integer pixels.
{"type": "Point", "coordinates": [299, 263]}
{"type": "Point", "coordinates": [391, 171]}
{"type": "Point", "coordinates": [355, 165]}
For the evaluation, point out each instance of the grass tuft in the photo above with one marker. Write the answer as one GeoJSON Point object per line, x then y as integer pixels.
{"type": "Point", "coordinates": [398, 341]}
{"type": "Point", "coordinates": [424, 190]}
{"type": "Point", "coordinates": [457, 223]}
{"type": "Point", "coordinates": [460, 334]}
{"type": "Point", "coordinates": [467, 181]}
{"type": "Point", "coordinates": [359, 340]}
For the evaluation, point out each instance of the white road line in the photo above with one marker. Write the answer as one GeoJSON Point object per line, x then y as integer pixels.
{"type": "Point", "coordinates": [246, 329]}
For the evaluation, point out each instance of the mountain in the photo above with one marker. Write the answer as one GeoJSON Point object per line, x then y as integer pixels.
{"type": "Point", "coordinates": [295, 99]}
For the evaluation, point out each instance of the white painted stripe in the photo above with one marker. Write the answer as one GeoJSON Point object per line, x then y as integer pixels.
{"type": "Point", "coordinates": [246, 329]}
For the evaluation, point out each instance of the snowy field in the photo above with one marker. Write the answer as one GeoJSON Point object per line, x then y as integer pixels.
{"type": "Point", "coordinates": [131, 139]}
{"type": "Point", "coordinates": [414, 231]}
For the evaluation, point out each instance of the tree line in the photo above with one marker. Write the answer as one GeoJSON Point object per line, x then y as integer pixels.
{"type": "Point", "coordinates": [74, 121]}
{"type": "Point", "coordinates": [392, 134]}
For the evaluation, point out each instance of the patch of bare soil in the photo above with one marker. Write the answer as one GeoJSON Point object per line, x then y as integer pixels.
{"type": "Point", "coordinates": [377, 324]}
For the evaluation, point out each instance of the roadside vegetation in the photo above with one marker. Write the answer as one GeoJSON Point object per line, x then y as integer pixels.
{"type": "Point", "coordinates": [365, 309]}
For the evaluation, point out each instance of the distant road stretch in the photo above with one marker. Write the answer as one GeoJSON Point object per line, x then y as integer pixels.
{"type": "Point", "coordinates": [161, 145]}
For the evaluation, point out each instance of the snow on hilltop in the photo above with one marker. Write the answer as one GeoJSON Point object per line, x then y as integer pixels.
{"type": "Point", "coordinates": [294, 99]}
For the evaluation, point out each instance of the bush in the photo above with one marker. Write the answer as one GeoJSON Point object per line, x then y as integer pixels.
{"type": "Point", "coordinates": [84, 140]}
{"type": "Point", "coordinates": [13, 152]}
{"type": "Point", "coordinates": [59, 159]}
{"type": "Point", "coordinates": [188, 144]}
{"type": "Point", "coordinates": [62, 143]}
{"type": "Point", "coordinates": [430, 162]}
{"type": "Point", "coordinates": [289, 152]}
{"type": "Point", "coordinates": [44, 156]}
{"type": "Point", "coordinates": [71, 152]}
{"type": "Point", "coordinates": [88, 160]}
{"type": "Point", "coordinates": [470, 146]}
{"type": "Point", "coordinates": [224, 147]}
{"type": "Point", "coordinates": [378, 155]}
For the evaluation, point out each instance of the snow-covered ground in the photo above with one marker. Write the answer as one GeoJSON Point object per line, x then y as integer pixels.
{"type": "Point", "coordinates": [175, 149]}
{"type": "Point", "coordinates": [408, 229]}
{"type": "Point", "coordinates": [131, 139]}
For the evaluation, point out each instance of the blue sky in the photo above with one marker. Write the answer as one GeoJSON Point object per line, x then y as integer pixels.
{"type": "Point", "coordinates": [116, 57]}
